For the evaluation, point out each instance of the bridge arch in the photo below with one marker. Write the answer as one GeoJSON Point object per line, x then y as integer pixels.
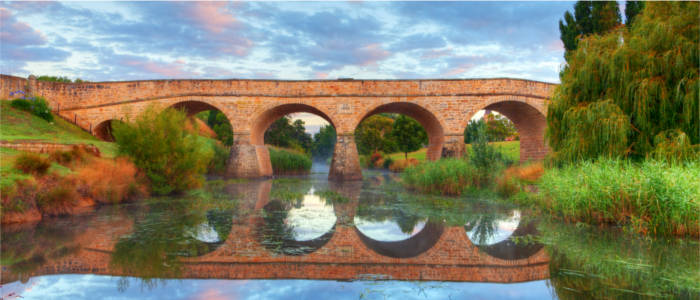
{"type": "Point", "coordinates": [529, 119]}
{"type": "Point", "coordinates": [103, 130]}
{"type": "Point", "coordinates": [271, 114]}
{"type": "Point", "coordinates": [427, 119]}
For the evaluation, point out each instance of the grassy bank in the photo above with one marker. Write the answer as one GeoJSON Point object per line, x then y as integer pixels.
{"type": "Point", "coordinates": [649, 197]}
{"type": "Point", "coordinates": [18, 125]}
{"type": "Point", "coordinates": [287, 161]}
{"type": "Point", "coordinates": [510, 151]}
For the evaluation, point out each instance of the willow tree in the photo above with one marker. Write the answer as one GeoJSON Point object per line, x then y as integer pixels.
{"type": "Point", "coordinates": [648, 73]}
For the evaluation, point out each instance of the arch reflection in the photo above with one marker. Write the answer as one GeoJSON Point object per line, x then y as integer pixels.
{"type": "Point", "coordinates": [496, 235]}
{"type": "Point", "coordinates": [298, 226]}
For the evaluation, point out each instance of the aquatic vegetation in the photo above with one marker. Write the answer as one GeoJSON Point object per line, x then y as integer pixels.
{"type": "Point", "coordinates": [517, 179]}
{"type": "Point", "coordinates": [446, 176]}
{"type": "Point", "coordinates": [650, 197]}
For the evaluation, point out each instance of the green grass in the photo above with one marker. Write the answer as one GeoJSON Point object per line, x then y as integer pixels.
{"type": "Point", "coordinates": [649, 197]}
{"type": "Point", "coordinates": [511, 151]}
{"type": "Point", "coordinates": [288, 161]}
{"type": "Point", "coordinates": [8, 174]}
{"type": "Point", "coordinates": [18, 125]}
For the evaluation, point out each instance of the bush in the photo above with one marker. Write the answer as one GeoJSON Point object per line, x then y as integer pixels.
{"type": "Point", "coordinates": [388, 161]}
{"type": "Point", "coordinates": [217, 166]}
{"type": "Point", "coordinates": [37, 106]}
{"type": "Point", "coordinates": [650, 197]}
{"type": "Point", "coordinates": [109, 181]}
{"type": "Point", "coordinates": [286, 161]}
{"type": "Point", "coordinates": [485, 158]}
{"type": "Point", "coordinates": [32, 163]}
{"type": "Point", "coordinates": [58, 197]}
{"type": "Point", "coordinates": [448, 176]}
{"type": "Point", "coordinates": [376, 160]}
{"type": "Point", "coordinates": [20, 196]}
{"type": "Point", "coordinates": [157, 142]}
{"type": "Point", "coordinates": [77, 153]}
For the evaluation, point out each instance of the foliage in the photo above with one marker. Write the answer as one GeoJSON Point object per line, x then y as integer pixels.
{"type": "Point", "coordinates": [35, 105]}
{"type": "Point", "coordinates": [650, 197]}
{"type": "Point", "coordinates": [173, 160]}
{"type": "Point", "coordinates": [32, 163]}
{"type": "Point", "coordinates": [498, 128]}
{"type": "Point", "coordinates": [590, 17]}
{"type": "Point", "coordinates": [218, 122]}
{"type": "Point", "coordinates": [517, 179]}
{"type": "Point", "coordinates": [217, 165]}
{"type": "Point", "coordinates": [484, 157]}
{"type": "Point", "coordinates": [286, 161]}
{"type": "Point", "coordinates": [650, 72]}
{"type": "Point", "coordinates": [409, 134]}
{"type": "Point", "coordinates": [446, 176]}
{"type": "Point", "coordinates": [374, 135]}
{"type": "Point", "coordinates": [284, 133]}
{"type": "Point", "coordinates": [632, 9]}
{"type": "Point", "coordinates": [324, 142]}
{"type": "Point", "coordinates": [63, 79]}
{"type": "Point", "coordinates": [673, 146]}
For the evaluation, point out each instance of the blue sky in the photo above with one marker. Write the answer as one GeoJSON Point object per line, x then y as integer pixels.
{"type": "Point", "coordinates": [101, 41]}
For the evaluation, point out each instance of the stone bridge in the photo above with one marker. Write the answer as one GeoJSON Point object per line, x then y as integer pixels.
{"type": "Point", "coordinates": [436, 253]}
{"type": "Point", "coordinates": [443, 107]}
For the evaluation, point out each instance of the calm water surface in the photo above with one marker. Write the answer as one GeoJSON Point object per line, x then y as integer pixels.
{"type": "Point", "coordinates": [307, 238]}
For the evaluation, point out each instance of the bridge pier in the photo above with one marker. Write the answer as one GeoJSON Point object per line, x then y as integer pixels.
{"type": "Point", "coordinates": [453, 146]}
{"type": "Point", "coordinates": [247, 160]}
{"type": "Point", "coordinates": [345, 164]}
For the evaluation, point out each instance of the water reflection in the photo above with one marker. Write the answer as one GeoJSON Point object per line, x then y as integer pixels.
{"type": "Point", "coordinates": [315, 230]}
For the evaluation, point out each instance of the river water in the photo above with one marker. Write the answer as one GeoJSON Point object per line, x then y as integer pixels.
{"type": "Point", "coordinates": [307, 238]}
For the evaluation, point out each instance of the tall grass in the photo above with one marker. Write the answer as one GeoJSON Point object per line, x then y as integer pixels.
{"type": "Point", "coordinates": [650, 197]}
{"type": "Point", "coordinates": [448, 176]}
{"type": "Point", "coordinates": [109, 181]}
{"type": "Point", "coordinates": [285, 161]}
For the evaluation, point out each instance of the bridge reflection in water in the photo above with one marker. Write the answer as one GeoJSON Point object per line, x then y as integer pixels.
{"type": "Point", "coordinates": [295, 229]}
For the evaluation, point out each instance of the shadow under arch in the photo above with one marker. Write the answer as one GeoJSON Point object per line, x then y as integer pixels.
{"type": "Point", "coordinates": [193, 107]}
{"type": "Point", "coordinates": [508, 249]}
{"type": "Point", "coordinates": [431, 124]}
{"type": "Point", "coordinates": [275, 237]}
{"type": "Point", "coordinates": [103, 130]}
{"type": "Point", "coordinates": [410, 247]}
{"type": "Point", "coordinates": [530, 123]}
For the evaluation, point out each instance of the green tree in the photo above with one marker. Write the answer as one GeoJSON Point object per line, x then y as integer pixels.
{"type": "Point", "coordinates": [409, 134]}
{"type": "Point", "coordinates": [284, 133]}
{"type": "Point", "coordinates": [324, 142]}
{"type": "Point", "coordinates": [372, 135]}
{"type": "Point", "coordinates": [173, 160]}
{"type": "Point", "coordinates": [590, 17]}
{"type": "Point", "coordinates": [632, 9]}
{"type": "Point", "coordinates": [498, 128]}
{"type": "Point", "coordinates": [647, 75]}
{"type": "Point", "coordinates": [218, 122]}
{"type": "Point", "coordinates": [471, 131]}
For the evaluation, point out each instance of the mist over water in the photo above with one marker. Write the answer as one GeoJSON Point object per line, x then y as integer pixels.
{"type": "Point", "coordinates": [320, 166]}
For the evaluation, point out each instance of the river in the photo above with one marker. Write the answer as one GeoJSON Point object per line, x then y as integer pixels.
{"type": "Point", "coordinates": [308, 238]}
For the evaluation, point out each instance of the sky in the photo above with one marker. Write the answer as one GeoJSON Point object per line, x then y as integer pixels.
{"type": "Point", "coordinates": [108, 41]}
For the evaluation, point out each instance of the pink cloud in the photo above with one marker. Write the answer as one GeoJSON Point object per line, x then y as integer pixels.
{"type": "Point", "coordinates": [555, 45]}
{"type": "Point", "coordinates": [433, 54]}
{"type": "Point", "coordinates": [458, 70]}
{"type": "Point", "coordinates": [18, 33]}
{"type": "Point", "coordinates": [212, 16]}
{"type": "Point", "coordinates": [164, 69]}
{"type": "Point", "coordinates": [321, 75]}
{"type": "Point", "coordinates": [371, 54]}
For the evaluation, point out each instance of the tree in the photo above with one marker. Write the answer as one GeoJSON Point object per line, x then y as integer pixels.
{"type": "Point", "coordinates": [372, 135]}
{"type": "Point", "coordinates": [409, 134]}
{"type": "Point", "coordinates": [647, 75]}
{"type": "Point", "coordinates": [157, 142]}
{"type": "Point", "coordinates": [283, 133]}
{"type": "Point", "coordinates": [498, 128]}
{"type": "Point", "coordinates": [470, 133]}
{"type": "Point", "coordinates": [324, 142]}
{"type": "Point", "coordinates": [632, 9]}
{"type": "Point", "coordinates": [590, 17]}
{"type": "Point", "coordinates": [218, 122]}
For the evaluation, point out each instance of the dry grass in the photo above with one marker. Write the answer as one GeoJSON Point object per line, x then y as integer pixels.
{"type": "Point", "coordinates": [109, 181]}
{"type": "Point", "coordinates": [58, 196]}
{"type": "Point", "coordinates": [516, 178]}
{"type": "Point", "coordinates": [32, 163]}
{"type": "Point", "coordinates": [402, 164]}
{"type": "Point", "coordinates": [198, 127]}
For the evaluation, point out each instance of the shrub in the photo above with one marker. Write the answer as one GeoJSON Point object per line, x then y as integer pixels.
{"type": "Point", "coordinates": [20, 196]}
{"type": "Point", "coordinates": [376, 160]}
{"type": "Point", "coordinates": [32, 163]}
{"type": "Point", "coordinates": [485, 158]}
{"type": "Point", "coordinates": [650, 197]}
{"type": "Point", "coordinates": [37, 106]}
{"type": "Point", "coordinates": [388, 161]}
{"type": "Point", "coordinates": [446, 176]}
{"type": "Point", "coordinates": [77, 153]}
{"type": "Point", "coordinates": [288, 161]}
{"type": "Point", "coordinates": [58, 197]}
{"type": "Point", "coordinates": [217, 165]}
{"type": "Point", "coordinates": [172, 159]}
{"type": "Point", "coordinates": [109, 181]}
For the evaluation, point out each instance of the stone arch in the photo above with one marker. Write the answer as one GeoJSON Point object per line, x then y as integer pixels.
{"type": "Point", "coordinates": [509, 250]}
{"type": "Point", "coordinates": [529, 119]}
{"type": "Point", "coordinates": [429, 121]}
